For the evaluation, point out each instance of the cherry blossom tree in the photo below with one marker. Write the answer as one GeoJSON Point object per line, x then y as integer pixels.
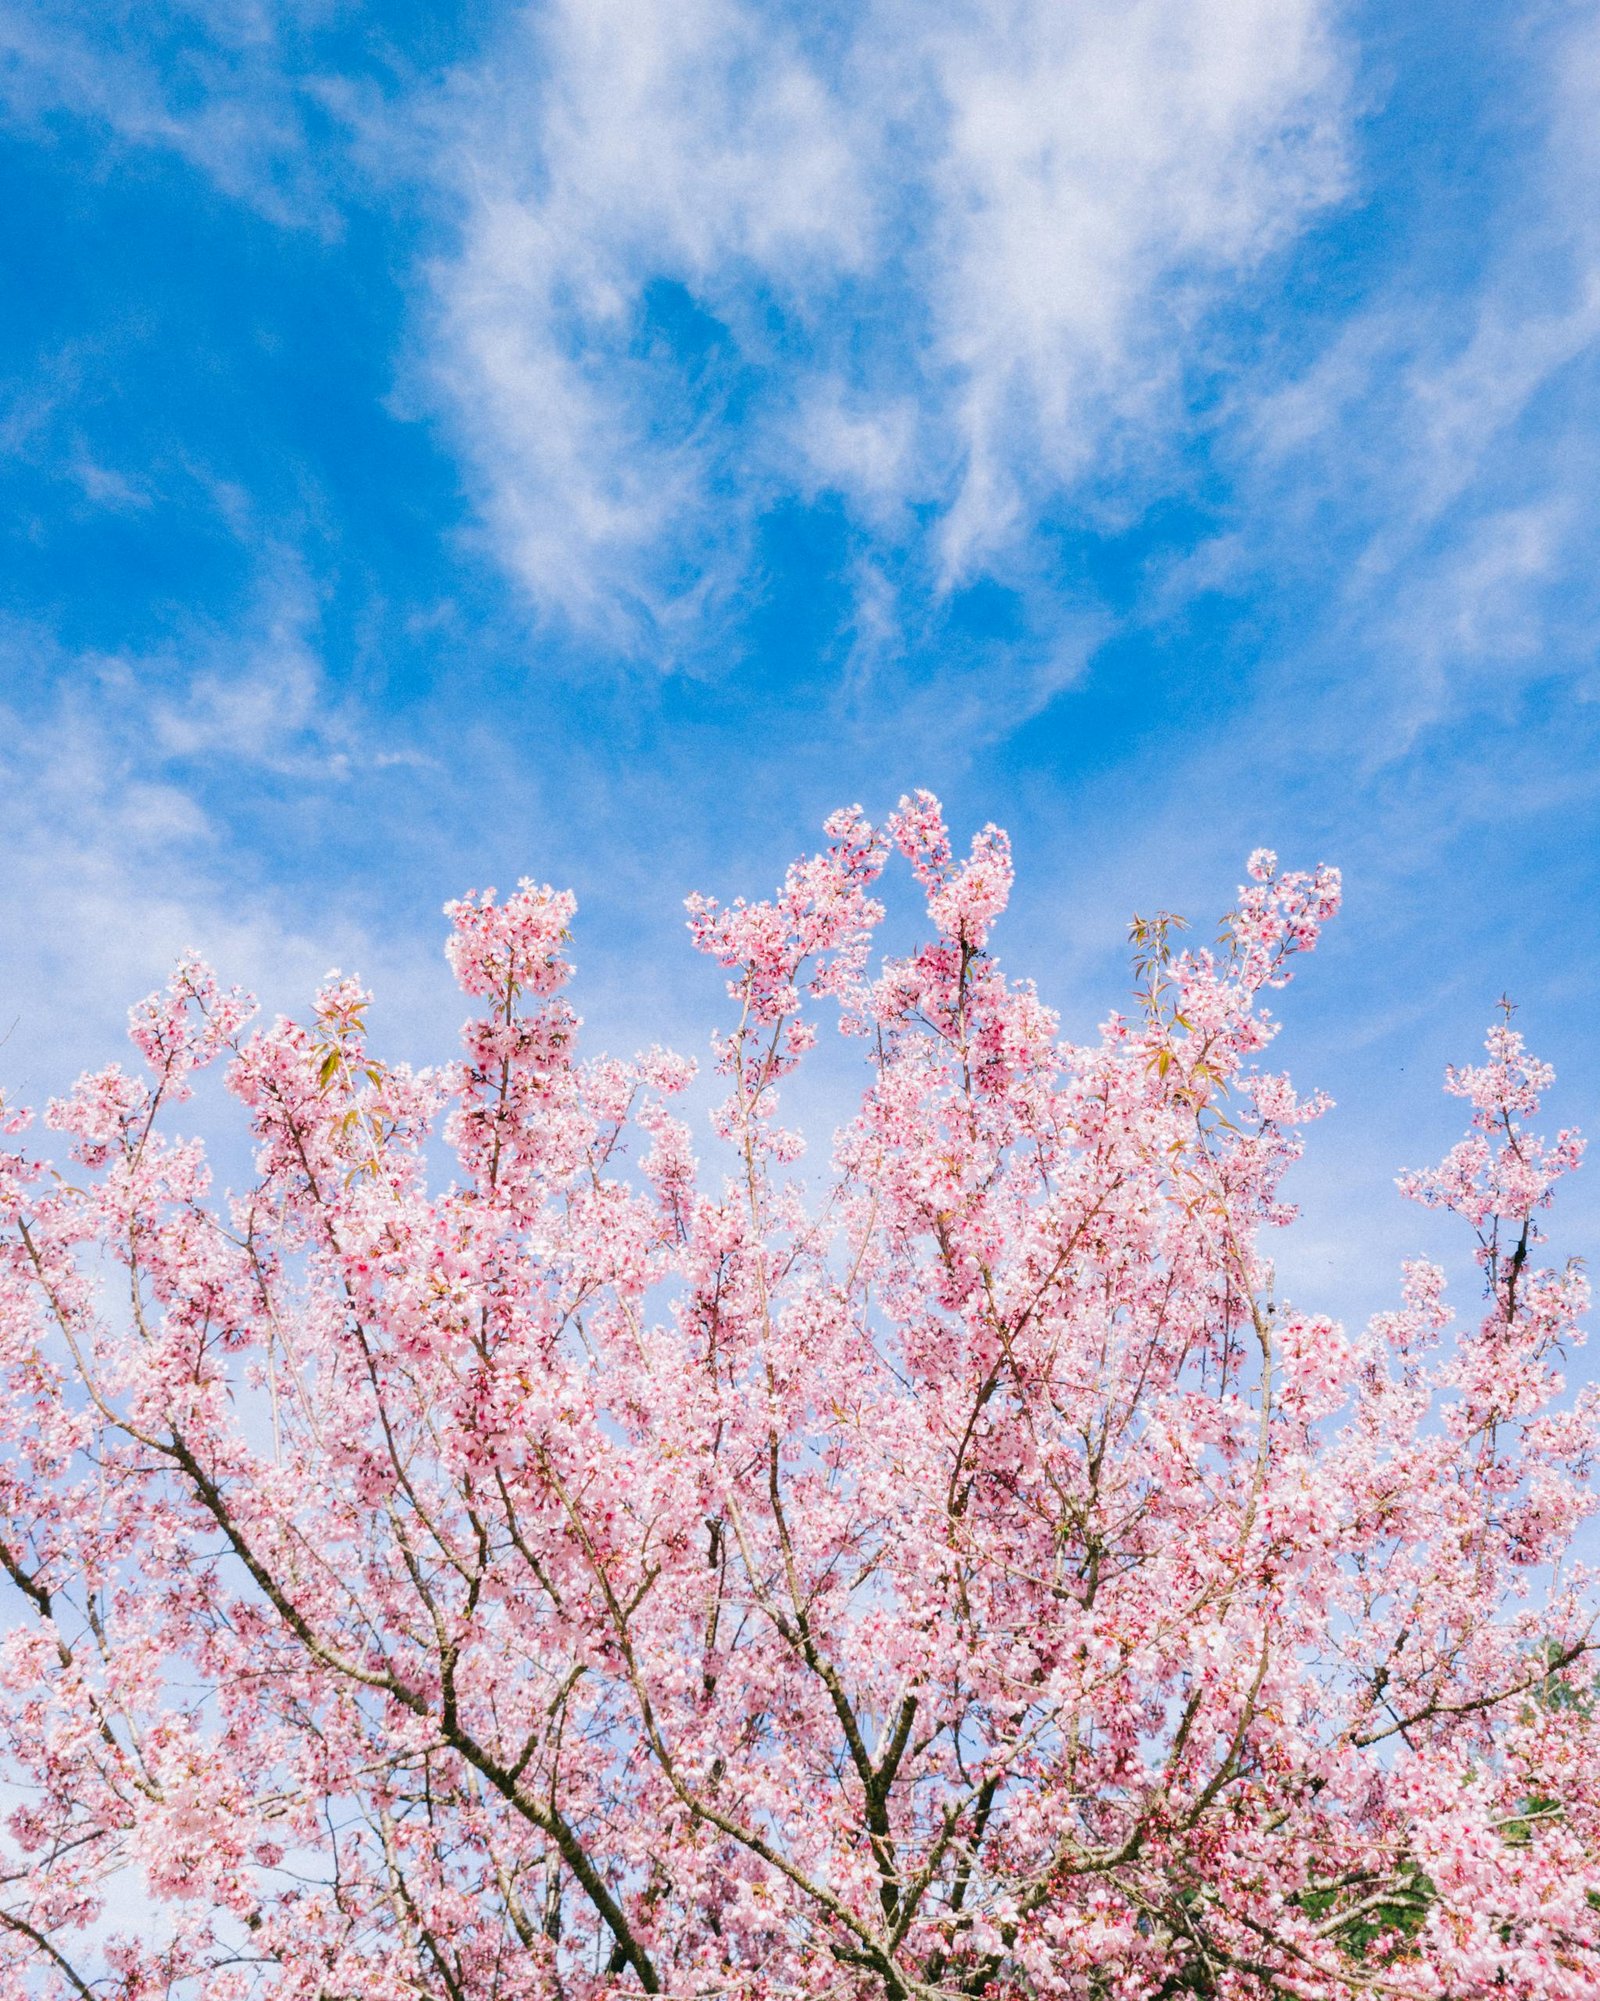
{"type": "Point", "coordinates": [952, 1575]}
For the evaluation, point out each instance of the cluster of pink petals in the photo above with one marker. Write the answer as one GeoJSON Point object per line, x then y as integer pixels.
{"type": "Point", "coordinates": [597, 1571]}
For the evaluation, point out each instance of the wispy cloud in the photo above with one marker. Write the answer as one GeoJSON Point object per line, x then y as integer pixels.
{"type": "Point", "coordinates": [112, 870]}
{"type": "Point", "coordinates": [251, 695]}
{"type": "Point", "coordinates": [1435, 466]}
{"type": "Point", "coordinates": [229, 86]}
{"type": "Point", "coordinates": [119, 780]}
{"type": "Point", "coordinates": [636, 178]}
{"type": "Point", "coordinates": [940, 264]}
{"type": "Point", "coordinates": [1102, 171]}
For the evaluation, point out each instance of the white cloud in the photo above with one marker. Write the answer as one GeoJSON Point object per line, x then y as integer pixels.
{"type": "Point", "coordinates": [948, 257]}
{"type": "Point", "coordinates": [110, 876]}
{"type": "Point", "coordinates": [267, 706]}
{"type": "Point", "coordinates": [861, 448]}
{"type": "Point", "coordinates": [1104, 167]}
{"type": "Point", "coordinates": [252, 695]}
{"type": "Point", "coordinates": [223, 84]}
{"type": "Point", "coordinates": [612, 143]}
{"type": "Point", "coordinates": [1432, 470]}
{"type": "Point", "coordinates": [104, 486]}
{"type": "Point", "coordinates": [115, 792]}
{"type": "Point", "coordinates": [1405, 415]}
{"type": "Point", "coordinates": [1480, 608]}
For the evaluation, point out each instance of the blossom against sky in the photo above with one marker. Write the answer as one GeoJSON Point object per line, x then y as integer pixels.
{"type": "Point", "coordinates": [446, 443]}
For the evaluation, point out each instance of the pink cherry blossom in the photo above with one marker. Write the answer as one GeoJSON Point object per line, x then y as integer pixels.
{"type": "Point", "coordinates": [527, 1545]}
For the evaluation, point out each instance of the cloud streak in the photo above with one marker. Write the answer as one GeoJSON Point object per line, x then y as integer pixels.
{"type": "Point", "coordinates": [229, 87]}
{"type": "Point", "coordinates": [1433, 468]}
{"type": "Point", "coordinates": [121, 780]}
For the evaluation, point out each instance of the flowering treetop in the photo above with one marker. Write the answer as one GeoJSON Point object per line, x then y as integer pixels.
{"type": "Point", "coordinates": [600, 1576]}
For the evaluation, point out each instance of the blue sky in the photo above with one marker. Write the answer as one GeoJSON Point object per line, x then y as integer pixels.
{"type": "Point", "coordinates": [449, 442]}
